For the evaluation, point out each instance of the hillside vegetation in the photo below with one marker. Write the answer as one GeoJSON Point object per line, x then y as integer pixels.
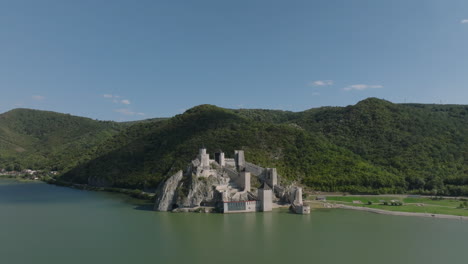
{"type": "Point", "coordinates": [143, 159]}
{"type": "Point", "coordinates": [48, 140]}
{"type": "Point", "coordinates": [372, 147]}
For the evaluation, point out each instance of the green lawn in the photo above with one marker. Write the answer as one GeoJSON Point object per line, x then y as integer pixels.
{"type": "Point", "coordinates": [363, 199]}
{"type": "Point", "coordinates": [443, 202]}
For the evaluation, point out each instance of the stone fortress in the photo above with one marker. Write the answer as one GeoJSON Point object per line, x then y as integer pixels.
{"type": "Point", "coordinates": [225, 184]}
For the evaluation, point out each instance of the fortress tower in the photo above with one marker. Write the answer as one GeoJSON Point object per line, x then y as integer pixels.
{"type": "Point", "coordinates": [244, 180]}
{"type": "Point", "coordinates": [204, 159]}
{"type": "Point", "coordinates": [240, 159]}
{"type": "Point", "coordinates": [219, 158]}
{"type": "Point", "coordinates": [265, 197]}
{"type": "Point", "coordinates": [298, 196]}
{"type": "Point", "coordinates": [271, 177]}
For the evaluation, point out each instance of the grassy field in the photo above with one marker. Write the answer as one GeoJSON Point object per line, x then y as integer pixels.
{"type": "Point", "coordinates": [415, 205]}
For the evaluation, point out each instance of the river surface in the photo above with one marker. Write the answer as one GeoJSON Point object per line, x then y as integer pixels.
{"type": "Point", "coordinates": [41, 223]}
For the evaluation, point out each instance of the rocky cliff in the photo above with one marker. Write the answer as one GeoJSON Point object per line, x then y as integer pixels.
{"type": "Point", "coordinates": [166, 195]}
{"type": "Point", "coordinates": [202, 190]}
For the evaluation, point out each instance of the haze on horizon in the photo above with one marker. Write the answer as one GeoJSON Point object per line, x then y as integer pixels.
{"type": "Point", "coordinates": [125, 60]}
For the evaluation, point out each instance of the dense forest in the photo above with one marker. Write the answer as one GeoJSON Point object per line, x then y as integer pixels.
{"type": "Point", "coordinates": [374, 146]}
{"type": "Point", "coordinates": [49, 141]}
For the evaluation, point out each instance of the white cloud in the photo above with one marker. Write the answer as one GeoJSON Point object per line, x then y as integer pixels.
{"type": "Point", "coordinates": [321, 83]}
{"type": "Point", "coordinates": [316, 94]}
{"type": "Point", "coordinates": [464, 21]}
{"type": "Point", "coordinates": [125, 101]}
{"type": "Point", "coordinates": [128, 112]}
{"type": "Point", "coordinates": [38, 97]}
{"type": "Point", "coordinates": [361, 87]}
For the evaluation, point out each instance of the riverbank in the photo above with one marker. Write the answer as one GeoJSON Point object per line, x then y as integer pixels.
{"type": "Point", "coordinates": [138, 194]}
{"type": "Point", "coordinates": [404, 205]}
{"type": "Point", "coordinates": [19, 178]}
{"type": "Point", "coordinates": [380, 211]}
{"type": "Point", "coordinates": [432, 207]}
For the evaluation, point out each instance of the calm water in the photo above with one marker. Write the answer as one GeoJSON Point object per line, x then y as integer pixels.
{"type": "Point", "coordinates": [42, 223]}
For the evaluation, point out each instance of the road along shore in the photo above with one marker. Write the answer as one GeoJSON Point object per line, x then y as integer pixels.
{"type": "Point", "coordinates": [380, 211]}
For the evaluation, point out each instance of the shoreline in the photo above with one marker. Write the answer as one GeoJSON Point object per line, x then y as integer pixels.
{"type": "Point", "coordinates": [146, 196]}
{"type": "Point", "coordinates": [134, 193]}
{"type": "Point", "coordinates": [386, 212]}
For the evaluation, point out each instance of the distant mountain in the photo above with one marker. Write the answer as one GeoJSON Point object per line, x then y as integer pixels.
{"type": "Point", "coordinates": [48, 140]}
{"type": "Point", "coordinates": [374, 146]}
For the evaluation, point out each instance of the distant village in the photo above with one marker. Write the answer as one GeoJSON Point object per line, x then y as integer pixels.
{"type": "Point", "coordinates": [27, 174]}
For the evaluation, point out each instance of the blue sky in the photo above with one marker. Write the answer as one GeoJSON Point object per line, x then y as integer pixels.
{"type": "Point", "coordinates": [128, 60]}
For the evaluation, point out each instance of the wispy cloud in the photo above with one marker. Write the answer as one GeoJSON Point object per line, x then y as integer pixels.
{"type": "Point", "coordinates": [111, 96]}
{"type": "Point", "coordinates": [38, 97]}
{"type": "Point", "coordinates": [128, 112]}
{"type": "Point", "coordinates": [361, 87]}
{"type": "Point", "coordinates": [116, 99]}
{"type": "Point", "coordinates": [316, 94]}
{"type": "Point", "coordinates": [321, 83]}
{"type": "Point", "coordinates": [464, 21]}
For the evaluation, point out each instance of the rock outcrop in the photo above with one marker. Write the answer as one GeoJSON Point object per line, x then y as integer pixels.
{"type": "Point", "coordinates": [166, 193]}
{"type": "Point", "coordinates": [202, 190]}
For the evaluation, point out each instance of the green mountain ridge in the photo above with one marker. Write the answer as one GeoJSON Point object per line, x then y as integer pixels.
{"type": "Point", "coordinates": [144, 159]}
{"type": "Point", "coordinates": [374, 146]}
{"type": "Point", "coordinates": [48, 140]}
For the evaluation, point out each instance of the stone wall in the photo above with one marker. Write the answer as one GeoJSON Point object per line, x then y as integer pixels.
{"type": "Point", "coordinates": [241, 207]}
{"type": "Point", "coordinates": [230, 162]}
{"type": "Point", "coordinates": [254, 169]}
{"type": "Point", "coordinates": [240, 179]}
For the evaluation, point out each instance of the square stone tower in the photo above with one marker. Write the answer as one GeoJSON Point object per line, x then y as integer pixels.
{"type": "Point", "coordinates": [298, 196]}
{"type": "Point", "coordinates": [265, 197]}
{"type": "Point", "coordinates": [219, 158]}
{"type": "Point", "coordinates": [240, 159]}
{"type": "Point", "coordinates": [271, 177]}
{"type": "Point", "coordinates": [204, 159]}
{"type": "Point", "coordinates": [244, 180]}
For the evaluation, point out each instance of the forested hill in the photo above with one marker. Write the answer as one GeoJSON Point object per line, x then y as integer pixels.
{"type": "Point", "coordinates": [373, 146]}
{"type": "Point", "coordinates": [48, 140]}
{"type": "Point", "coordinates": [426, 144]}
{"type": "Point", "coordinates": [147, 153]}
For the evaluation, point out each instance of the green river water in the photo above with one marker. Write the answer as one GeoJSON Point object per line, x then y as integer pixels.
{"type": "Point", "coordinates": [41, 223]}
